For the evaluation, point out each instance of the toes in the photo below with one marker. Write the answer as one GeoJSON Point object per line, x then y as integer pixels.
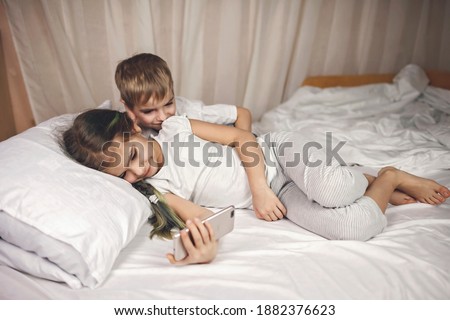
{"type": "Point", "coordinates": [444, 192]}
{"type": "Point", "coordinates": [422, 200]}
{"type": "Point", "coordinates": [436, 199]}
{"type": "Point", "coordinates": [427, 200]}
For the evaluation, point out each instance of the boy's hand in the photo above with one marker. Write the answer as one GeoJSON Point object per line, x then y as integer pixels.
{"type": "Point", "coordinates": [203, 246]}
{"type": "Point", "coordinates": [266, 204]}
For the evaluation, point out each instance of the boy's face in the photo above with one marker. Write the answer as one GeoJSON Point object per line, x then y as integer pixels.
{"type": "Point", "coordinates": [153, 113]}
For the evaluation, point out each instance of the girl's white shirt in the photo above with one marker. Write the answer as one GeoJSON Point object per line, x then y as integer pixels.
{"type": "Point", "coordinates": [206, 173]}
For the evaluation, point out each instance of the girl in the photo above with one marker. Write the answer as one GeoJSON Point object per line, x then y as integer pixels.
{"type": "Point", "coordinates": [292, 178]}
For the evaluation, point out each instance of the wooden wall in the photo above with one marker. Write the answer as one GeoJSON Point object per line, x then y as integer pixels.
{"type": "Point", "coordinates": [7, 124]}
{"type": "Point", "coordinates": [15, 109]}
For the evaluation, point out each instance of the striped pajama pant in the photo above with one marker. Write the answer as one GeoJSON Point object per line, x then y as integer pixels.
{"type": "Point", "coordinates": [321, 194]}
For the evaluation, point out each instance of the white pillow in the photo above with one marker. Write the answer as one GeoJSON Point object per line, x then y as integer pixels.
{"type": "Point", "coordinates": [77, 218]}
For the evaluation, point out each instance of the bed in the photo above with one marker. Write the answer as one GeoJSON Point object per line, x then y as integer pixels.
{"type": "Point", "coordinates": [68, 232]}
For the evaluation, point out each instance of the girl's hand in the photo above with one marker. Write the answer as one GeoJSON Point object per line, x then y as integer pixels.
{"type": "Point", "coordinates": [203, 246]}
{"type": "Point", "coordinates": [266, 204]}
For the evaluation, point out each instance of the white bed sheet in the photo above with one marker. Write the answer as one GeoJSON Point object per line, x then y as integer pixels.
{"type": "Point", "coordinates": [279, 260]}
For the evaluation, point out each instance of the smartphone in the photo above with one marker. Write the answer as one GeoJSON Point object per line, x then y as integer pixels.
{"type": "Point", "coordinates": [222, 223]}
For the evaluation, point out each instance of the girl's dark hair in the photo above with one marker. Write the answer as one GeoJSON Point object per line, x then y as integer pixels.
{"type": "Point", "coordinates": [85, 141]}
{"type": "Point", "coordinates": [91, 131]}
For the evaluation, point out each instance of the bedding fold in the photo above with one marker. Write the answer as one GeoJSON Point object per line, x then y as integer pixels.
{"type": "Point", "coordinates": [408, 120]}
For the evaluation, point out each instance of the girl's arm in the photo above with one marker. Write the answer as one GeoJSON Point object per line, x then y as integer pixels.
{"type": "Point", "coordinates": [265, 203]}
{"type": "Point", "coordinates": [202, 245]}
{"type": "Point", "coordinates": [185, 209]}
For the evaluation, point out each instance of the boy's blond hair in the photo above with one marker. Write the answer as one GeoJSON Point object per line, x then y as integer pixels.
{"type": "Point", "coordinates": [141, 77]}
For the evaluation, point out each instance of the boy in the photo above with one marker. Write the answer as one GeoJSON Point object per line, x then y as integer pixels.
{"type": "Point", "coordinates": [146, 89]}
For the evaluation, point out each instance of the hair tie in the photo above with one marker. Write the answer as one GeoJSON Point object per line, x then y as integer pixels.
{"type": "Point", "coordinates": [114, 120]}
{"type": "Point", "coordinates": [153, 199]}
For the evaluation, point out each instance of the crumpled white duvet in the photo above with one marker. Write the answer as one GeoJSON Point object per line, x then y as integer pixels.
{"type": "Point", "coordinates": [405, 124]}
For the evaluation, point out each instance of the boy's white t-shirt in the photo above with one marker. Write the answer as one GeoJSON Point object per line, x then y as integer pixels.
{"type": "Point", "coordinates": [206, 173]}
{"type": "Point", "coordinates": [195, 109]}
{"type": "Point", "coordinates": [217, 113]}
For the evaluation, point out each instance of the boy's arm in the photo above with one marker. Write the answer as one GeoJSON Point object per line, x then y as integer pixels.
{"type": "Point", "coordinates": [265, 203]}
{"type": "Point", "coordinates": [243, 119]}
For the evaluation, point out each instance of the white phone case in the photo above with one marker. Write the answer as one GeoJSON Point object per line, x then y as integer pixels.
{"type": "Point", "coordinates": [222, 223]}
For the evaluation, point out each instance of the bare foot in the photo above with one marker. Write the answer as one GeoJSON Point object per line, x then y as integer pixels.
{"type": "Point", "coordinates": [421, 189]}
{"type": "Point", "coordinates": [399, 198]}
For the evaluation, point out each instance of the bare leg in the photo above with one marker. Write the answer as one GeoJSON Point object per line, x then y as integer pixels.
{"type": "Point", "coordinates": [382, 188]}
{"type": "Point", "coordinates": [397, 197]}
{"type": "Point", "coordinates": [424, 190]}
{"type": "Point", "coordinates": [389, 179]}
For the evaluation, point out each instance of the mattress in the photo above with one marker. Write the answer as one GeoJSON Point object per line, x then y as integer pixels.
{"type": "Point", "coordinates": [405, 124]}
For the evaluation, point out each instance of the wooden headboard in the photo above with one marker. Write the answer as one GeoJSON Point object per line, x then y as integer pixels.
{"type": "Point", "coordinates": [439, 79]}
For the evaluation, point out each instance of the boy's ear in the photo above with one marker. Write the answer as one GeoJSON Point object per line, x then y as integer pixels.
{"type": "Point", "coordinates": [130, 114]}
{"type": "Point", "coordinates": [136, 128]}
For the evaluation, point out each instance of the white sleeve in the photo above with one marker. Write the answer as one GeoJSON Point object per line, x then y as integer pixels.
{"type": "Point", "coordinates": [217, 113]}
{"type": "Point", "coordinates": [172, 126]}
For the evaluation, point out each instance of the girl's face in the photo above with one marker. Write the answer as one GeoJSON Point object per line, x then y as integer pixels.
{"type": "Point", "coordinates": [133, 160]}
